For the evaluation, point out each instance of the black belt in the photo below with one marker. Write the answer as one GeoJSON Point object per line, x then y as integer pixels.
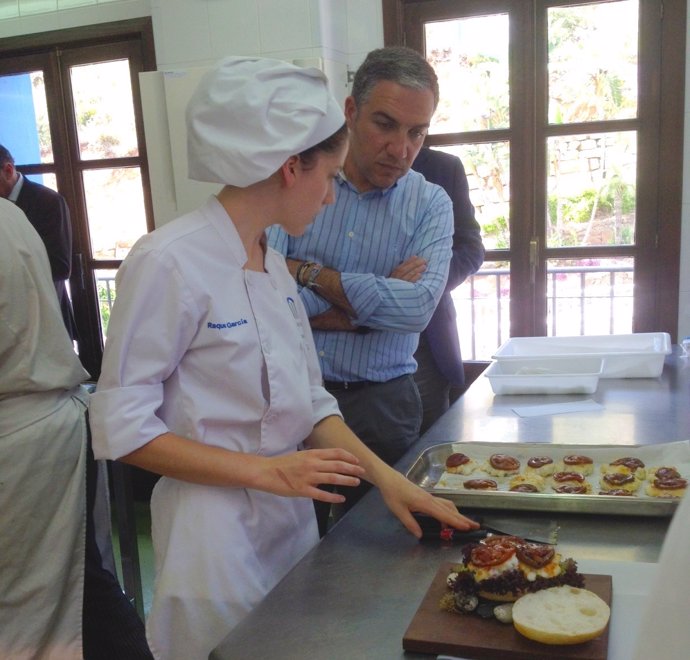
{"type": "Point", "coordinates": [351, 386]}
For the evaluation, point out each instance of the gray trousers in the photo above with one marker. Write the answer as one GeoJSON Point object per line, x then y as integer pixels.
{"type": "Point", "coordinates": [433, 386]}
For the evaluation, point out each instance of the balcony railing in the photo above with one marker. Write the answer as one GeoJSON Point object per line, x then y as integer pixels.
{"type": "Point", "coordinates": [582, 300]}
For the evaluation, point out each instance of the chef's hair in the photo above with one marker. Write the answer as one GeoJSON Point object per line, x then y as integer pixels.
{"type": "Point", "coordinates": [5, 156]}
{"type": "Point", "coordinates": [329, 145]}
{"type": "Point", "coordinates": [397, 64]}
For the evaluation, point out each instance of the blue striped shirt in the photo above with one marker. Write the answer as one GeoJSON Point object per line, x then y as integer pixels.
{"type": "Point", "coordinates": [364, 237]}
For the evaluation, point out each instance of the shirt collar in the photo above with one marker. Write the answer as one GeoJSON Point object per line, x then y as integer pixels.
{"type": "Point", "coordinates": [343, 181]}
{"type": "Point", "coordinates": [17, 188]}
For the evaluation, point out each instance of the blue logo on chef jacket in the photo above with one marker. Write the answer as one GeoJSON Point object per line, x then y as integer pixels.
{"type": "Point", "coordinates": [293, 309]}
{"type": "Point", "coordinates": [292, 306]}
{"type": "Point", "coordinates": [227, 325]}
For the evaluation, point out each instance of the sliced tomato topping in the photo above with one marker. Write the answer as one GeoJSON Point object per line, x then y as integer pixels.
{"type": "Point", "coordinates": [491, 555]}
{"type": "Point", "coordinates": [535, 555]}
{"type": "Point", "coordinates": [498, 539]}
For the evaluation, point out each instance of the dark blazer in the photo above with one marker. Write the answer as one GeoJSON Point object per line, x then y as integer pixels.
{"type": "Point", "coordinates": [47, 211]}
{"type": "Point", "coordinates": [448, 172]}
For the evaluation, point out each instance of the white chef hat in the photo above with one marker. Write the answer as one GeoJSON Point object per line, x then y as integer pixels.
{"type": "Point", "coordinates": [249, 115]}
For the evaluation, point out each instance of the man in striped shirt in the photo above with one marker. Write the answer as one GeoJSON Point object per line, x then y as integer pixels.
{"type": "Point", "coordinates": [373, 265]}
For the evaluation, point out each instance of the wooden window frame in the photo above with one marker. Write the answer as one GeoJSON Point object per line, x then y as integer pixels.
{"type": "Point", "coordinates": [657, 251]}
{"type": "Point", "coordinates": [136, 36]}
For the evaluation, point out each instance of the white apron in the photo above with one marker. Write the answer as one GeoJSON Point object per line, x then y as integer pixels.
{"type": "Point", "coordinates": [42, 525]}
{"type": "Point", "coordinates": [664, 629]}
{"type": "Point", "coordinates": [223, 356]}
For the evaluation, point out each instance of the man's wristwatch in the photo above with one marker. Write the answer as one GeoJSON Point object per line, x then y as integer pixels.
{"type": "Point", "coordinates": [307, 273]}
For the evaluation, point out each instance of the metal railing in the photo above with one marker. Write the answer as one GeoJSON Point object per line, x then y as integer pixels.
{"type": "Point", "coordinates": [580, 300]}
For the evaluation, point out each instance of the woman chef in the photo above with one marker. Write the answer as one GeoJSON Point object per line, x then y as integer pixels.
{"type": "Point", "coordinates": [210, 375]}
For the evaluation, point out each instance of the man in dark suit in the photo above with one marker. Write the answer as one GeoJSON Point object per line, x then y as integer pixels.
{"type": "Point", "coordinates": [438, 356]}
{"type": "Point", "coordinates": [48, 213]}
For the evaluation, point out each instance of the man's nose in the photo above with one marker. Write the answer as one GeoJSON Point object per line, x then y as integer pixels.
{"type": "Point", "coordinates": [399, 146]}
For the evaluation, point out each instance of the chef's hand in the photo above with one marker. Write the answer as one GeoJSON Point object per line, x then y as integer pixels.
{"type": "Point", "coordinates": [299, 474]}
{"type": "Point", "coordinates": [404, 498]}
{"type": "Point", "coordinates": [409, 270]}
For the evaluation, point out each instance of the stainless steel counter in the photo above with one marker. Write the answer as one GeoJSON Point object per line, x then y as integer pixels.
{"type": "Point", "coordinates": [354, 595]}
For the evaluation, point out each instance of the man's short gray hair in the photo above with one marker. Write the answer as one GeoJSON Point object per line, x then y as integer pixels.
{"type": "Point", "coordinates": [397, 64]}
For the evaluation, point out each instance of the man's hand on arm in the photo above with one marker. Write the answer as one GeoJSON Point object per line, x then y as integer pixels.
{"type": "Point", "coordinates": [410, 270]}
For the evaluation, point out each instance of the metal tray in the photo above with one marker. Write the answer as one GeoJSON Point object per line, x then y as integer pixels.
{"type": "Point", "coordinates": [429, 469]}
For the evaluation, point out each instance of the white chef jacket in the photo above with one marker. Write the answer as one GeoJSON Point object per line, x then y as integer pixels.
{"type": "Point", "coordinates": [664, 629]}
{"type": "Point", "coordinates": [201, 347]}
{"type": "Point", "coordinates": [42, 456]}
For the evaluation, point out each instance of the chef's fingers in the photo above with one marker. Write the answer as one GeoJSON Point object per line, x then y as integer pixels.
{"type": "Point", "coordinates": [325, 496]}
{"type": "Point", "coordinates": [300, 474]}
{"type": "Point", "coordinates": [441, 509]}
{"type": "Point", "coordinates": [449, 514]}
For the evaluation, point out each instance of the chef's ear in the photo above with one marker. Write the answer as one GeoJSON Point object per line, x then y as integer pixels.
{"type": "Point", "coordinates": [290, 169]}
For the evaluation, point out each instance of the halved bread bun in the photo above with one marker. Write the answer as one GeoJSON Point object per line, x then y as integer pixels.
{"type": "Point", "coordinates": [561, 615]}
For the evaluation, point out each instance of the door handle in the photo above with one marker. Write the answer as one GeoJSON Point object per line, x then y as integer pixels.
{"type": "Point", "coordinates": [79, 258]}
{"type": "Point", "coordinates": [533, 257]}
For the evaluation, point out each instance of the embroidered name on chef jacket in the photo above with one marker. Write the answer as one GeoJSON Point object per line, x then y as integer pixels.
{"type": "Point", "coordinates": [225, 326]}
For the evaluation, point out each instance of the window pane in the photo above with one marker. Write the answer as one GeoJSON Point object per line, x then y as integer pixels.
{"type": "Point", "coordinates": [593, 62]}
{"type": "Point", "coordinates": [590, 296]}
{"type": "Point", "coordinates": [46, 179]}
{"type": "Point", "coordinates": [488, 173]}
{"type": "Point", "coordinates": [105, 285]}
{"type": "Point", "coordinates": [115, 209]}
{"type": "Point", "coordinates": [102, 97]}
{"type": "Point", "coordinates": [591, 189]}
{"type": "Point", "coordinates": [24, 128]}
{"type": "Point", "coordinates": [470, 57]}
{"type": "Point", "coordinates": [482, 303]}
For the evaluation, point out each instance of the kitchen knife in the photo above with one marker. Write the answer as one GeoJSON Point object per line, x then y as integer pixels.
{"type": "Point", "coordinates": [538, 531]}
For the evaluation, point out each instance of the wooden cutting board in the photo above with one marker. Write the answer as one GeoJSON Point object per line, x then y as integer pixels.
{"type": "Point", "coordinates": [436, 631]}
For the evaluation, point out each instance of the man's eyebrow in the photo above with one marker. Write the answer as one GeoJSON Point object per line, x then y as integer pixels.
{"type": "Point", "coordinates": [380, 114]}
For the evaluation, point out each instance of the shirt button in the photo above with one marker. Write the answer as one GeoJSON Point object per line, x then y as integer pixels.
{"type": "Point", "coordinates": [322, 353]}
{"type": "Point", "coordinates": [350, 234]}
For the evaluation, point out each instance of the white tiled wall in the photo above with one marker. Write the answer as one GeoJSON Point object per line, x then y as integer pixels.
{"type": "Point", "coordinates": [19, 17]}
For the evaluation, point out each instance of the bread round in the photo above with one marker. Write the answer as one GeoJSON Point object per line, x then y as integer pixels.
{"type": "Point", "coordinates": [561, 615]}
{"type": "Point", "coordinates": [498, 598]}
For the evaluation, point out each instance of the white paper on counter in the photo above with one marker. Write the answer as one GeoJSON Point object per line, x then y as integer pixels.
{"type": "Point", "coordinates": [589, 405]}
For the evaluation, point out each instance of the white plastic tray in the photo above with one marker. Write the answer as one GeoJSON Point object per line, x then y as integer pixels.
{"type": "Point", "coordinates": [639, 355]}
{"type": "Point", "coordinates": [545, 375]}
